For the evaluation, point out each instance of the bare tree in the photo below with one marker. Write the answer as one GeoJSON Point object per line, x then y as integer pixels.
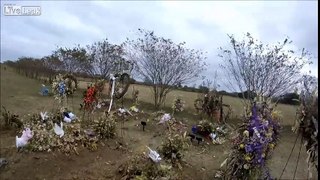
{"type": "Point", "coordinates": [52, 62]}
{"type": "Point", "coordinates": [212, 85]}
{"type": "Point", "coordinates": [101, 58]}
{"type": "Point", "coordinates": [72, 59]}
{"type": "Point", "coordinates": [265, 70]}
{"type": "Point", "coordinates": [164, 63]}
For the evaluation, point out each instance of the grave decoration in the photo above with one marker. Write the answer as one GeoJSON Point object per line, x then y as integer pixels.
{"type": "Point", "coordinates": [99, 86]}
{"type": "Point", "coordinates": [307, 121]}
{"type": "Point", "coordinates": [105, 127]}
{"type": "Point", "coordinates": [210, 132]}
{"type": "Point", "coordinates": [44, 116]}
{"type": "Point", "coordinates": [123, 112]}
{"type": "Point", "coordinates": [90, 98]}
{"type": "Point", "coordinates": [63, 86]}
{"type": "Point", "coordinates": [253, 145]}
{"type": "Point", "coordinates": [44, 91]}
{"type": "Point", "coordinates": [135, 97]}
{"type": "Point", "coordinates": [178, 105]}
{"type": "Point", "coordinates": [134, 109]}
{"type": "Point", "coordinates": [141, 166]}
{"type": "Point", "coordinates": [71, 84]}
{"type": "Point", "coordinates": [165, 118]}
{"type": "Point", "coordinates": [68, 116]}
{"type": "Point", "coordinates": [58, 129]}
{"type": "Point", "coordinates": [25, 137]}
{"type": "Point", "coordinates": [54, 135]}
{"type": "Point", "coordinates": [143, 123]}
{"type": "Point", "coordinates": [59, 89]}
{"type": "Point", "coordinates": [154, 155]}
{"type": "Point", "coordinates": [172, 148]}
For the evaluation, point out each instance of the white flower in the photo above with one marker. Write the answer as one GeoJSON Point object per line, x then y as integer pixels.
{"type": "Point", "coordinates": [44, 116]}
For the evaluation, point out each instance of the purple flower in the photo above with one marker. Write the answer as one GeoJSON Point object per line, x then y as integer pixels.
{"type": "Point", "coordinates": [194, 129]}
{"type": "Point", "coordinates": [248, 148]}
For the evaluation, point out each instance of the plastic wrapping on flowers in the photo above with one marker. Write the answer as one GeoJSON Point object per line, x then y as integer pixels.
{"type": "Point", "coordinates": [256, 139]}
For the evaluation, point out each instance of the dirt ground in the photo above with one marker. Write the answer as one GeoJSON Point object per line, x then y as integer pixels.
{"type": "Point", "coordinates": [202, 161]}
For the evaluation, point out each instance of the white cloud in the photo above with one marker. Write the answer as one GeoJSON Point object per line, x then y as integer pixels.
{"type": "Point", "coordinates": [202, 25]}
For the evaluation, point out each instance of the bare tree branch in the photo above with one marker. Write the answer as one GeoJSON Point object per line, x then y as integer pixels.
{"type": "Point", "coordinates": [260, 69]}
{"type": "Point", "coordinates": [163, 62]}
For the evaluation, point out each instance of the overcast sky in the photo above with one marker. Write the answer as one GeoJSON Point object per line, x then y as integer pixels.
{"type": "Point", "coordinates": [202, 25]}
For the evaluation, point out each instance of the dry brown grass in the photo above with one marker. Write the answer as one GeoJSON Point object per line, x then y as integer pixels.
{"type": "Point", "coordinates": [145, 95]}
{"type": "Point", "coordinates": [19, 92]}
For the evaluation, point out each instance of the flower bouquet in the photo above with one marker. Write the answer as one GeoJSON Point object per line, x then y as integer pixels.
{"type": "Point", "coordinates": [90, 97]}
{"type": "Point", "coordinates": [256, 139]}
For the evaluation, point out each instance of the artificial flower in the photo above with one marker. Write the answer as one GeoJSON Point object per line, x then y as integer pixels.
{"type": "Point", "coordinates": [246, 133]}
{"type": "Point", "coordinates": [247, 157]}
{"type": "Point", "coordinates": [241, 146]}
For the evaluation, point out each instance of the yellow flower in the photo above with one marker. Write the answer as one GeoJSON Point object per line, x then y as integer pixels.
{"type": "Point", "coordinates": [246, 133]}
{"type": "Point", "coordinates": [276, 114]}
{"type": "Point", "coordinates": [269, 135]}
{"type": "Point", "coordinates": [241, 146]}
{"type": "Point", "coordinates": [271, 145]}
{"type": "Point", "coordinates": [247, 157]}
{"type": "Point", "coordinates": [246, 166]}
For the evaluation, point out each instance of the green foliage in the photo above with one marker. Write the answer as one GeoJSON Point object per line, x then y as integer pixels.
{"type": "Point", "coordinates": [173, 146]}
{"type": "Point", "coordinates": [105, 126]}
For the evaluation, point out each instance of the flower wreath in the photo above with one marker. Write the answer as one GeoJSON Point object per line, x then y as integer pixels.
{"type": "Point", "coordinates": [59, 88]}
{"type": "Point", "coordinates": [68, 79]}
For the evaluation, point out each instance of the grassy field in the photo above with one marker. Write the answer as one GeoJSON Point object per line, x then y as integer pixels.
{"type": "Point", "coordinates": [21, 91]}
{"type": "Point", "coordinates": [146, 96]}
{"type": "Point", "coordinates": [21, 95]}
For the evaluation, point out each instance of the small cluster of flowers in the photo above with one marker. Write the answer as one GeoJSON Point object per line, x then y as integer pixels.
{"type": "Point", "coordinates": [90, 96]}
